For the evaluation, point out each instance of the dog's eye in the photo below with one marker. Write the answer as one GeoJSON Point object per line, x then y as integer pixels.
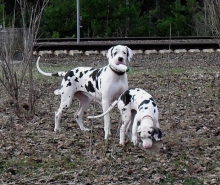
{"type": "Point", "coordinates": [115, 53]}
{"type": "Point", "coordinates": [125, 53]}
{"type": "Point", "coordinates": [149, 132]}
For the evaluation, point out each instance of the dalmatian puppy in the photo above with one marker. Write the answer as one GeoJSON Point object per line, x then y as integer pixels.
{"type": "Point", "coordinates": [103, 85]}
{"type": "Point", "coordinates": [139, 111]}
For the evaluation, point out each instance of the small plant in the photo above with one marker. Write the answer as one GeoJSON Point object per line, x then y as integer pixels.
{"type": "Point", "coordinates": [55, 34]}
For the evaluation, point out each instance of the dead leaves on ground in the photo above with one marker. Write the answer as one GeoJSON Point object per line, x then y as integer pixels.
{"type": "Point", "coordinates": [187, 94]}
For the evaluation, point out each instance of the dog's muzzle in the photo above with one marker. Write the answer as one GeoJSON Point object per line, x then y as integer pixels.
{"type": "Point", "coordinates": [121, 61]}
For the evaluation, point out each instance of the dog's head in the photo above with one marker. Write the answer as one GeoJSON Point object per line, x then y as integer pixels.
{"type": "Point", "coordinates": [118, 57]}
{"type": "Point", "coordinates": [147, 134]}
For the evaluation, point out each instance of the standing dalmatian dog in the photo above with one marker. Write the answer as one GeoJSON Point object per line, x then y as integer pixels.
{"type": "Point", "coordinates": [139, 107]}
{"type": "Point", "coordinates": [103, 85]}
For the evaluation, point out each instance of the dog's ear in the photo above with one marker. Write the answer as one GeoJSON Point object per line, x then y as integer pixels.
{"type": "Point", "coordinates": [109, 53]}
{"type": "Point", "coordinates": [129, 53]}
{"type": "Point", "coordinates": [156, 133]}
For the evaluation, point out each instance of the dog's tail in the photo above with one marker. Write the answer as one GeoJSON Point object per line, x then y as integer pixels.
{"type": "Point", "coordinates": [61, 73]}
{"type": "Point", "coordinates": [106, 112]}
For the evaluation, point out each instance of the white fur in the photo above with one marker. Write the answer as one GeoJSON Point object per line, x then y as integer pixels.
{"type": "Point", "coordinates": [134, 111]}
{"type": "Point", "coordinates": [82, 83]}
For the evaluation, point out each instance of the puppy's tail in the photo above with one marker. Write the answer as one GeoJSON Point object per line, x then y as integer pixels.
{"type": "Point", "coordinates": [61, 73]}
{"type": "Point", "coordinates": [106, 112]}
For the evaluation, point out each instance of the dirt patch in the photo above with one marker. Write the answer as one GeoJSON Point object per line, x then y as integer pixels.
{"type": "Point", "coordinates": [187, 90]}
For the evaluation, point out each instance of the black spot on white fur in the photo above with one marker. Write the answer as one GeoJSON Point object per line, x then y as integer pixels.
{"type": "Point", "coordinates": [81, 75]}
{"type": "Point", "coordinates": [126, 97]}
{"type": "Point", "coordinates": [68, 74]}
{"type": "Point", "coordinates": [90, 87]}
{"type": "Point", "coordinates": [95, 74]}
{"type": "Point", "coordinates": [143, 102]}
{"type": "Point", "coordinates": [69, 84]}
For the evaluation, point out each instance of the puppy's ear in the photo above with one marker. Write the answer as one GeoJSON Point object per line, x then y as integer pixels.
{"type": "Point", "coordinates": [156, 133]}
{"type": "Point", "coordinates": [129, 53]}
{"type": "Point", "coordinates": [109, 53]}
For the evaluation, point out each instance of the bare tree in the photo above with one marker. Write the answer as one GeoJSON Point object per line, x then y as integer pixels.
{"type": "Point", "coordinates": [18, 43]}
{"type": "Point", "coordinates": [212, 8]}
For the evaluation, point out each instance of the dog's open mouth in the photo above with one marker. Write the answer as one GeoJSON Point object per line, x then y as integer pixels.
{"type": "Point", "coordinates": [122, 63]}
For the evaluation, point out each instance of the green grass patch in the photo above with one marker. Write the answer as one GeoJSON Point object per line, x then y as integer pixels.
{"type": "Point", "coordinates": [22, 165]}
{"type": "Point", "coordinates": [191, 182]}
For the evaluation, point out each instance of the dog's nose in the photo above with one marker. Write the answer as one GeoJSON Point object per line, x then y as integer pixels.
{"type": "Point", "coordinates": [147, 146]}
{"type": "Point", "coordinates": [120, 59]}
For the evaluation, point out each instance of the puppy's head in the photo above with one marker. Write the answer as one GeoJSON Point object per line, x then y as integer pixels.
{"type": "Point", "coordinates": [147, 134]}
{"type": "Point", "coordinates": [118, 57]}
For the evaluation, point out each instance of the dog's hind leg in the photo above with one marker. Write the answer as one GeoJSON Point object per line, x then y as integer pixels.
{"type": "Point", "coordinates": [66, 101]}
{"type": "Point", "coordinates": [83, 104]}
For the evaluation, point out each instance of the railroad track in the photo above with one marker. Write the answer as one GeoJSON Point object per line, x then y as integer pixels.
{"type": "Point", "coordinates": [140, 45]}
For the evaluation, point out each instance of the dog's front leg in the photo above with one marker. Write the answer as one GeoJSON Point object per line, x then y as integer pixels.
{"type": "Point", "coordinates": [134, 131]}
{"type": "Point", "coordinates": [122, 131]}
{"type": "Point", "coordinates": [126, 119]}
{"type": "Point", "coordinates": [58, 114]}
{"type": "Point", "coordinates": [105, 106]}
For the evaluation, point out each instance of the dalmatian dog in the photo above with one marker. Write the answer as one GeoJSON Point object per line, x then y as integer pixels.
{"type": "Point", "coordinates": [139, 111]}
{"type": "Point", "coordinates": [103, 85]}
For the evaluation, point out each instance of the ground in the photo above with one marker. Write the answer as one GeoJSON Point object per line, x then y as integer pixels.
{"type": "Point", "coordinates": [187, 90]}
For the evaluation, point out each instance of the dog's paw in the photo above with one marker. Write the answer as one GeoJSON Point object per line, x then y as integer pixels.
{"type": "Point", "coordinates": [135, 140]}
{"type": "Point", "coordinates": [57, 129]}
{"type": "Point", "coordinates": [86, 129]}
{"type": "Point", "coordinates": [57, 92]}
{"type": "Point", "coordinates": [107, 134]}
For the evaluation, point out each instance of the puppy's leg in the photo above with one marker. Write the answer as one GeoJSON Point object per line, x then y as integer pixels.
{"type": "Point", "coordinates": [58, 115]}
{"type": "Point", "coordinates": [83, 104]}
{"type": "Point", "coordinates": [129, 127]}
{"type": "Point", "coordinates": [126, 119]}
{"type": "Point", "coordinates": [134, 131]}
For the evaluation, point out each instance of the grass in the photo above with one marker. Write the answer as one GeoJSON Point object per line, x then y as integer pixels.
{"type": "Point", "coordinates": [169, 179]}
{"type": "Point", "coordinates": [192, 182]}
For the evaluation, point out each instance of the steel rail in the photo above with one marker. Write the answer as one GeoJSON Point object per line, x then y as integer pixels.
{"type": "Point", "coordinates": [134, 46]}
{"type": "Point", "coordinates": [123, 38]}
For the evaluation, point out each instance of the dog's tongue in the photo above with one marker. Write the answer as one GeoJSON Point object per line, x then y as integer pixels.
{"type": "Point", "coordinates": [122, 63]}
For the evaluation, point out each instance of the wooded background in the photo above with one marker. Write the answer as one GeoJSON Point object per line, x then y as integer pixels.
{"type": "Point", "coordinates": [113, 18]}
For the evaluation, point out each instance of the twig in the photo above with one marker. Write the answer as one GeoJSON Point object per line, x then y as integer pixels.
{"type": "Point", "coordinates": [49, 175]}
{"type": "Point", "coordinates": [114, 144]}
{"type": "Point", "coordinates": [118, 162]}
{"type": "Point", "coordinates": [19, 180]}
